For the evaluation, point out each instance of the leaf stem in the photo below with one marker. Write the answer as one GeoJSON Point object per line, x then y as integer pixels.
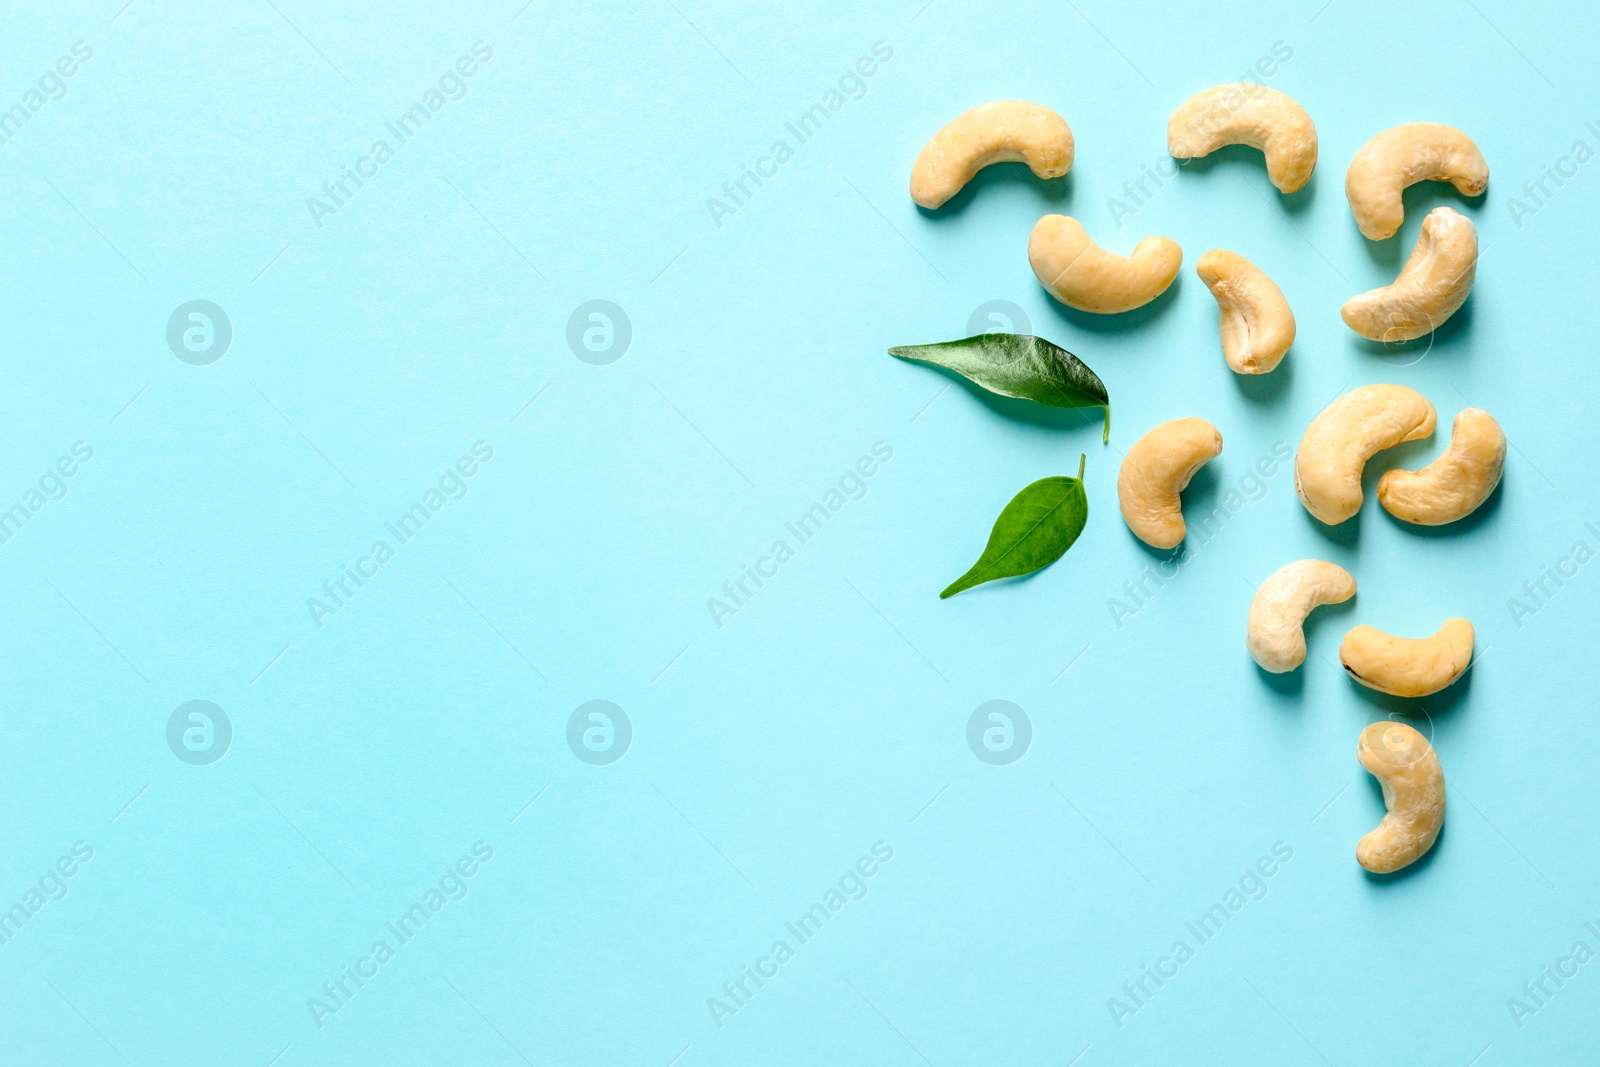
{"type": "Point", "coordinates": [1105, 436]}
{"type": "Point", "coordinates": [1082, 459]}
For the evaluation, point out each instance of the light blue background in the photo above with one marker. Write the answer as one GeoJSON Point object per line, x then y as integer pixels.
{"type": "Point", "coordinates": [830, 712]}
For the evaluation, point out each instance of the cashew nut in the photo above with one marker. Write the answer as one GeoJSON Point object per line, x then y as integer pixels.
{"type": "Point", "coordinates": [1257, 325]}
{"type": "Point", "coordinates": [1010, 131]}
{"type": "Point", "coordinates": [1452, 486]}
{"type": "Point", "coordinates": [1408, 666]}
{"type": "Point", "coordinates": [1405, 155]}
{"type": "Point", "coordinates": [1240, 113]}
{"type": "Point", "coordinates": [1275, 632]}
{"type": "Point", "coordinates": [1155, 470]}
{"type": "Point", "coordinates": [1407, 768]}
{"type": "Point", "coordinates": [1348, 432]}
{"type": "Point", "coordinates": [1082, 275]}
{"type": "Point", "coordinates": [1432, 285]}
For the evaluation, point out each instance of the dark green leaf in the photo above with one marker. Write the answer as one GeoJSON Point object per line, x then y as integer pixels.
{"type": "Point", "coordinates": [1019, 365]}
{"type": "Point", "coordinates": [1033, 531]}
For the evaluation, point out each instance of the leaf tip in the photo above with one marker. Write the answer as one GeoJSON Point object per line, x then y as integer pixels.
{"type": "Point", "coordinates": [960, 585]}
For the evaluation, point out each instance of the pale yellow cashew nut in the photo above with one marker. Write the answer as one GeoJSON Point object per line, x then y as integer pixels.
{"type": "Point", "coordinates": [1405, 155]}
{"type": "Point", "coordinates": [1432, 286]}
{"type": "Point", "coordinates": [1155, 470]}
{"type": "Point", "coordinates": [1407, 768]}
{"type": "Point", "coordinates": [1082, 275]}
{"type": "Point", "coordinates": [1275, 631]}
{"type": "Point", "coordinates": [1348, 432]}
{"type": "Point", "coordinates": [1010, 131]}
{"type": "Point", "coordinates": [1452, 486]}
{"type": "Point", "coordinates": [1240, 113]}
{"type": "Point", "coordinates": [1257, 323]}
{"type": "Point", "coordinates": [1408, 666]}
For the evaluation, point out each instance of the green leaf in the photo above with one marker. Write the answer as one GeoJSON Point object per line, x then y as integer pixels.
{"type": "Point", "coordinates": [1033, 531]}
{"type": "Point", "coordinates": [1019, 365]}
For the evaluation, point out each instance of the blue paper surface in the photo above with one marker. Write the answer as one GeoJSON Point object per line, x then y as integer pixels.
{"type": "Point", "coordinates": [482, 411]}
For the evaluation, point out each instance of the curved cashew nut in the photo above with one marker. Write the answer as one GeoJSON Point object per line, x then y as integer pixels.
{"type": "Point", "coordinates": [1240, 113]}
{"type": "Point", "coordinates": [1082, 275]}
{"type": "Point", "coordinates": [1257, 324]}
{"type": "Point", "coordinates": [1155, 470]}
{"type": "Point", "coordinates": [1407, 768]}
{"type": "Point", "coordinates": [1430, 288]}
{"type": "Point", "coordinates": [1010, 131]}
{"type": "Point", "coordinates": [1408, 666]}
{"type": "Point", "coordinates": [1348, 432]}
{"type": "Point", "coordinates": [1452, 486]}
{"type": "Point", "coordinates": [1405, 155]}
{"type": "Point", "coordinates": [1275, 632]}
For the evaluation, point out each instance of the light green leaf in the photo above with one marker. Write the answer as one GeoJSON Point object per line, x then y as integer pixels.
{"type": "Point", "coordinates": [1033, 531]}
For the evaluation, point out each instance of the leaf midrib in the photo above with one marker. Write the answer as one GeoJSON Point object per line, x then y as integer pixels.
{"type": "Point", "coordinates": [1025, 534]}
